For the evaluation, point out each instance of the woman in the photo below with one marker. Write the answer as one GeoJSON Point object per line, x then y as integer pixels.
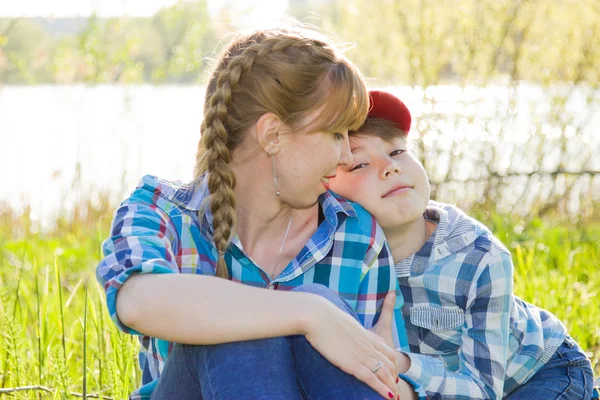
{"type": "Point", "coordinates": [277, 112]}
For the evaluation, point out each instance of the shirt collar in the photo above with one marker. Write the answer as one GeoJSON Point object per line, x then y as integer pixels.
{"type": "Point", "coordinates": [190, 196]}
{"type": "Point", "coordinates": [417, 262]}
{"type": "Point", "coordinates": [333, 204]}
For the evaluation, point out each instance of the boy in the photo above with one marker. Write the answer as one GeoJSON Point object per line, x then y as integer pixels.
{"type": "Point", "coordinates": [470, 337]}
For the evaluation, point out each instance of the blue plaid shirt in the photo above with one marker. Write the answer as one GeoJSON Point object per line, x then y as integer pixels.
{"type": "Point", "coordinates": [157, 230]}
{"type": "Point", "coordinates": [470, 337]}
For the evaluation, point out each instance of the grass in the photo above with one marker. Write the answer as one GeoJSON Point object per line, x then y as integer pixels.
{"type": "Point", "coordinates": [54, 328]}
{"type": "Point", "coordinates": [56, 334]}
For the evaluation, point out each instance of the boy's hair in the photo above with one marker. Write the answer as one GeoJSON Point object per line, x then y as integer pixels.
{"type": "Point", "coordinates": [381, 128]}
{"type": "Point", "coordinates": [388, 117]}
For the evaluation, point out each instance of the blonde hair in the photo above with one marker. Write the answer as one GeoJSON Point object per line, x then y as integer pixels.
{"type": "Point", "coordinates": [289, 73]}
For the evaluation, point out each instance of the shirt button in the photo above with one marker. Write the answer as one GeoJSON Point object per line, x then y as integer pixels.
{"type": "Point", "coordinates": [271, 286]}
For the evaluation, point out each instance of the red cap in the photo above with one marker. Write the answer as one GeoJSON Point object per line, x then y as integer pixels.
{"type": "Point", "coordinates": [387, 106]}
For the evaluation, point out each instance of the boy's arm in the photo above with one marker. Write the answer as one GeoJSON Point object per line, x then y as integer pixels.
{"type": "Point", "coordinates": [484, 349]}
{"type": "Point", "coordinates": [379, 278]}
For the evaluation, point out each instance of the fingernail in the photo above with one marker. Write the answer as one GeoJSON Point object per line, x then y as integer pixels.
{"type": "Point", "coordinates": [397, 379]}
{"type": "Point", "coordinates": [398, 397]}
{"type": "Point", "coordinates": [391, 395]}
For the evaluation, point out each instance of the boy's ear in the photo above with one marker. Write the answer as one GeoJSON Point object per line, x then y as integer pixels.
{"type": "Point", "coordinates": [268, 127]}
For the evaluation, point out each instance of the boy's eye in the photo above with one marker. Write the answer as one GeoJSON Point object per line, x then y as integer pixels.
{"type": "Point", "coordinates": [358, 166]}
{"type": "Point", "coordinates": [397, 152]}
{"type": "Point", "coordinates": [338, 136]}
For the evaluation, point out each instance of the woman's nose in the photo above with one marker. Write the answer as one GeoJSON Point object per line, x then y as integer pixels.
{"type": "Point", "coordinates": [345, 153]}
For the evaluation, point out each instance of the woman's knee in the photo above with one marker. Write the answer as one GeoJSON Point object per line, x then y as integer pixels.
{"type": "Point", "coordinates": [271, 345]}
{"type": "Point", "coordinates": [315, 288]}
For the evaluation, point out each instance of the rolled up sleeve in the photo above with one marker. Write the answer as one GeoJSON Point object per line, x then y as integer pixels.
{"type": "Point", "coordinates": [143, 240]}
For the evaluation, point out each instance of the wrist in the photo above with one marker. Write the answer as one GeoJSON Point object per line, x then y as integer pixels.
{"type": "Point", "coordinates": [313, 311]}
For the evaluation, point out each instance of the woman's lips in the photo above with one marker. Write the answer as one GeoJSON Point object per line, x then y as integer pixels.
{"type": "Point", "coordinates": [325, 181]}
{"type": "Point", "coordinates": [399, 189]}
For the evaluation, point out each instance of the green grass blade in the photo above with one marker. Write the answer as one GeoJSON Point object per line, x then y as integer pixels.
{"type": "Point", "coordinates": [62, 313]}
{"type": "Point", "coordinates": [84, 369]}
{"type": "Point", "coordinates": [39, 321]}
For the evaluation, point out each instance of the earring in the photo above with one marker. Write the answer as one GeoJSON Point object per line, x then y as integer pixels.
{"type": "Point", "coordinates": [272, 156]}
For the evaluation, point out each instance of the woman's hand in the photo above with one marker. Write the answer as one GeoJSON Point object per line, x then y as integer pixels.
{"type": "Point", "coordinates": [345, 343]}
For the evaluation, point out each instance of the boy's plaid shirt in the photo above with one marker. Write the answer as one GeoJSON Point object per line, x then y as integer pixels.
{"type": "Point", "coordinates": [157, 230]}
{"type": "Point", "coordinates": [470, 337]}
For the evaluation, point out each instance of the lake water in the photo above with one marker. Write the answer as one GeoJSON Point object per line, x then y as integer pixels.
{"type": "Point", "coordinates": [109, 136]}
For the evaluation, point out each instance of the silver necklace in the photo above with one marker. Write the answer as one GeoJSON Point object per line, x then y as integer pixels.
{"type": "Point", "coordinates": [281, 247]}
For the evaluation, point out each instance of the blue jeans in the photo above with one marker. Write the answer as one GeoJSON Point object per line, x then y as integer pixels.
{"type": "Point", "coordinates": [567, 375]}
{"type": "Point", "coordinates": [286, 368]}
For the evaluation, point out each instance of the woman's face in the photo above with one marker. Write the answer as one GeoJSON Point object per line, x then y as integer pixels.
{"type": "Point", "coordinates": [306, 164]}
{"type": "Point", "coordinates": [385, 179]}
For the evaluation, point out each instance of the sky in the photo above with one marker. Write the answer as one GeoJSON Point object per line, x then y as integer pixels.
{"type": "Point", "coordinates": [259, 11]}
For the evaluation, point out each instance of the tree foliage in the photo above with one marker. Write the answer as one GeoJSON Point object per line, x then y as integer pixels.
{"type": "Point", "coordinates": [416, 42]}
{"type": "Point", "coordinates": [169, 47]}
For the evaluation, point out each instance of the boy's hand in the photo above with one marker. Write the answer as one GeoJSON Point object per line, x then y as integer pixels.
{"type": "Point", "coordinates": [383, 329]}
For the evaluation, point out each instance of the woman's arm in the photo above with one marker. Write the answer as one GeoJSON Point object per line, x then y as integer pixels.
{"type": "Point", "coordinates": [146, 293]}
{"type": "Point", "coordinates": [197, 309]}
{"type": "Point", "coordinates": [208, 310]}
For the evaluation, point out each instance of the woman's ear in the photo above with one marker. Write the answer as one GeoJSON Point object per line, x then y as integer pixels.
{"type": "Point", "coordinates": [267, 131]}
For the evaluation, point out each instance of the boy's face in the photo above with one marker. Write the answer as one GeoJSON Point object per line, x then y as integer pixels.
{"type": "Point", "coordinates": [385, 179]}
